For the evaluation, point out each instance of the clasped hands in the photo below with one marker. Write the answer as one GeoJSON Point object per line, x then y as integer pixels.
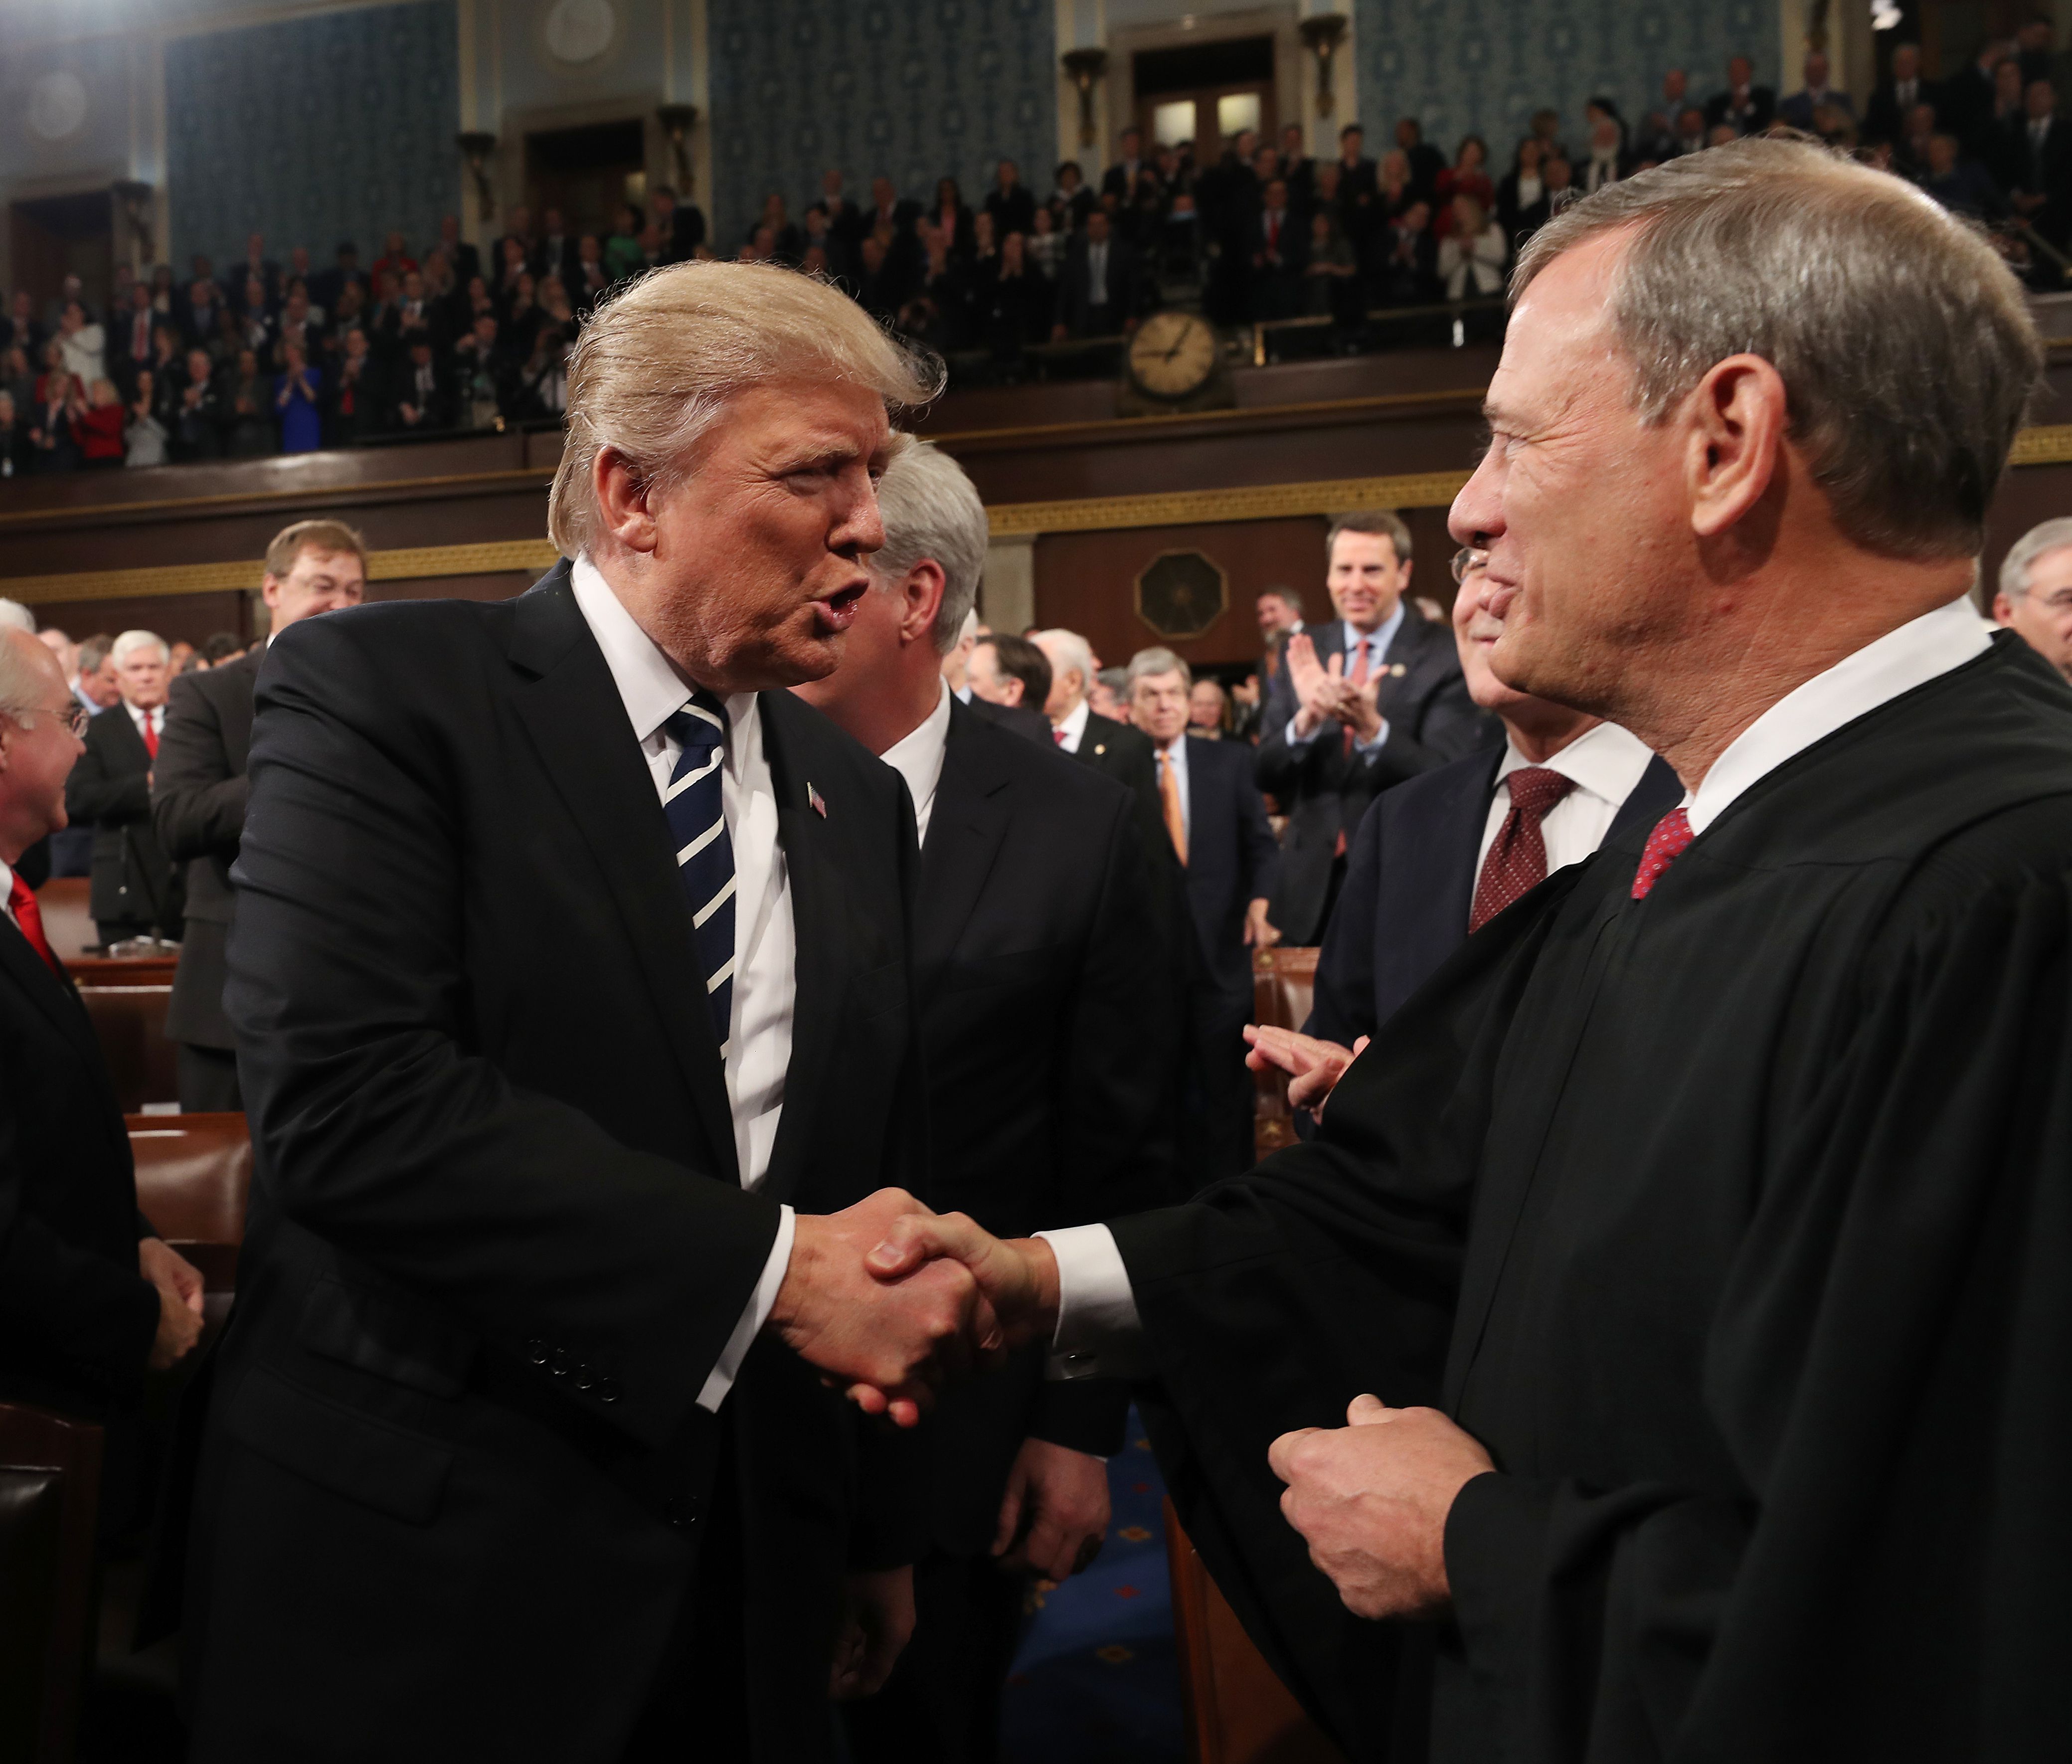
{"type": "Point", "coordinates": [1324, 694]}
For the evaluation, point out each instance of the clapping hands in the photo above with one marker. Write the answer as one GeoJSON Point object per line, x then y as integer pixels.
{"type": "Point", "coordinates": [1324, 694]}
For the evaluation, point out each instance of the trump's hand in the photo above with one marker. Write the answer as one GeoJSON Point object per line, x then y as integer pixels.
{"type": "Point", "coordinates": [1314, 1065]}
{"type": "Point", "coordinates": [892, 1337]}
{"type": "Point", "coordinates": [1370, 1500]}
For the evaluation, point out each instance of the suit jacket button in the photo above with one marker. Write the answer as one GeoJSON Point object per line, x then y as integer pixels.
{"type": "Point", "coordinates": [608, 1391]}
{"type": "Point", "coordinates": [536, 1351]}
{"type": "Point", "coordinates": [681, 1510]}
{"type": "Point", "coordinates": [562, 1363]}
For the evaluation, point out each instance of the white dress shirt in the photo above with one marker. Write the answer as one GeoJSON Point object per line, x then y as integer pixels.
{"type": "Point", "coordinates": [1376, 643]}
{"type": "Point", "coordinates": [1072, 730]}
{"type": "Point", "coordinates": [1099, 1333]}
{"type": "Point", "coordinates": [1178, 752]}
{"type": "Point", "coordinates": [765, 943]}
{"type": "Point", "coordinates": [6, 889]}
{"type": "Point", "coordinates": [1604, 762]}
{"type": "Point", "coordinates": [148, 724]}
{"type": "Point", "coordinates": [918, 757]}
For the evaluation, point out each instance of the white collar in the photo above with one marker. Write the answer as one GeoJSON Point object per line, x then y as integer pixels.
{"type": "Point", "coordinates": [1074, 727]}
{"type": "Point", "coordinates": [1917, 651]}
{"type": "Point", "coordinates": [1382, 636]}
{"type": "Point", "coordinates": [650, 688]}
{"type": "Point", "coordinates": [6, 886]}
{"type": "Point", "coordinates": [917, 756]}
{"type": "Point", "coordinates": [1606, 761]}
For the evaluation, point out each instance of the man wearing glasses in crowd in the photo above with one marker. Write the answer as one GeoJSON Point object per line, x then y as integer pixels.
{"type": "Point", "coordinates": [2035, 597]}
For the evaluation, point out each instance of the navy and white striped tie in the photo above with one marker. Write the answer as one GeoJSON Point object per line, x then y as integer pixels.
{"type": "Point", "coordinates": [705, 854]}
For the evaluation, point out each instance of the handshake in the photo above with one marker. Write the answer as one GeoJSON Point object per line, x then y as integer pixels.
{"type": "Point", "coordinates": [889, 1301]}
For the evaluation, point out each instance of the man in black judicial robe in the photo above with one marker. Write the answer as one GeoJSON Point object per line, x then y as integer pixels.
{"type": "Point", "coordinates": [1714, 1192]}
{"type": "Point", "coordinates": [509, 1453]}
{"type": "Point", "coordinates": [1050, 1018]}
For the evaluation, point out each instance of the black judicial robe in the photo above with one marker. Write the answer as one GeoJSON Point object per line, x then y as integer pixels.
{"type": "Point", "coordinates": [1736, 1224]}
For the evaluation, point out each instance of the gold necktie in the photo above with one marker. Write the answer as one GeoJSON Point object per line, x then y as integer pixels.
{"type": "Point", "coordinates": [1169, 790]}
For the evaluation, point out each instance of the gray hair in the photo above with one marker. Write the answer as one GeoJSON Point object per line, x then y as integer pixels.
{"type": "Point", "coordinates": [1907, 350]}
{"type": "Point", "coordinates": [22, 674]}
{"type": "Point", "coordinates": [13, 613]}
{"type": "Point", "coordinates": [1148, 662]}
{"type": "Point", "coordinates": [1073, 654]}
{"type": "Point", "coordinates": [657, 363]}
{"type": "Point", "coordinates": [2051, 536]}
{"type": "Point", "coordinates": [131, 641]}
{"type": "Point", "coordinates": [931, 509]}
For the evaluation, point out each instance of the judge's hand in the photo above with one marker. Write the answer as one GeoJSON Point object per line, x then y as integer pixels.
{"type": "Point", "coordinates": [892, 1337]}
{"type": "Point", "coordinates": [1055, 1511]}
{"type": "Point", "coordinates": [1016, 1277]}
{"type": "Point", "coordinates": [1370, 1500]}
{"type": "Point", "coordinates": [1314, 1065]}
{"type": "Point", "coordinates": [179, 1284]}
{"type": "Point", "coordinates": [876, 1619]}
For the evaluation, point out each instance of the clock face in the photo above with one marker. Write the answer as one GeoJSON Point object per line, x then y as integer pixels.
{"type": "Point", "coordinates": [580, 30]}
{"type": "Point", "coordinates": [1172, 354]}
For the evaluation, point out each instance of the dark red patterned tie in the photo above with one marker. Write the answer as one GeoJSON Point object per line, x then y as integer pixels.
{"type": "Point", "coordinates": [1517, 860]}
{"type": "Point", "coordinates": [1665, 845]}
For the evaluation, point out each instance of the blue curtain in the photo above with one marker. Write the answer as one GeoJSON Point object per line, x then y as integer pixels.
{"type": "Point", "coordinates": [314, 130]}
{"type": "Point", "coordinates": [917, 91]}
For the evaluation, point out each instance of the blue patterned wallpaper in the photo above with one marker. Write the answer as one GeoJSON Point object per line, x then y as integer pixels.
{"type": "Point", "coordinates": [1485, 66]}
{"type": "Point", "coordinates": [917, 89]}
{"type": "Point", "coordinates": [313, 130]}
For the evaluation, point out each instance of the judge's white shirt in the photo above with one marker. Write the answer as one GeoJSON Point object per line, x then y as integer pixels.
{"type": "Point", "coordinates": [1070, 732]}
{"type": "Point", "coordinates": [765, 943]}
{"type": "Point", "coordinates": [1099, 1333]}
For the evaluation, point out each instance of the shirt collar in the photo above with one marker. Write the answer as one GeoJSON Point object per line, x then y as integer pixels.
{"type": "Point", "coordinates": [1919, 651]}
{"type": "Point", "coordinates": [650, 688]}
{"type": "Point", "coordinates": [1384, 634]}
{"type": "Point", "coordinates": [1178, 751]}
{"type": "Point", "coordinates": [917, 756]}
{"type": "Point", "coordinates": [6, 887]}
{"type": "Point", "coordinates": [1074, 727]}
{"type": "Point", "coordinates": [1606, 761]}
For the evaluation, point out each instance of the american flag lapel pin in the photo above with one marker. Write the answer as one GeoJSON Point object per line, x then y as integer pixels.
{"type": "Point", "coordinates": [813, 802]}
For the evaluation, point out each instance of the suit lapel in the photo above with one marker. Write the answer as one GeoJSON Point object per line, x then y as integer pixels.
{"type": "Point", "coordinates": [964, 833]}
{"type": "Point", "coordinates": [58, 1000]}
{"type": "Point", "coordinates": [573, 712]}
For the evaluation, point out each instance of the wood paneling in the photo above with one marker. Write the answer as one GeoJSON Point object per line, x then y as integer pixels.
{"type": "Point", "coordinates": [1086, 581]}
{"type": "Point", "coordinates": [177, 617]}
{"type": "Point", "coordinates": [497, 584]}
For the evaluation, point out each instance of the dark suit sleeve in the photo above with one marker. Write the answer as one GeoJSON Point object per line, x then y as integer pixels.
{"type": "Point", "coordinates": [92, 793]}
{"type": "Point", "coordinates": [197, 803]}
{"type": "Point", "coordinates": [1116, 1105]}
{"type": "Point", "coordinates": [94, 1313]}
{"type": "Point", "coordinates": [379, 1125]}
{"type": "Point", "coordinates": [1343, 1009]}
{"type": "Point", "coordinates": [1259, 853]}
{"type": "Point", "coordinates": [1452, 727]}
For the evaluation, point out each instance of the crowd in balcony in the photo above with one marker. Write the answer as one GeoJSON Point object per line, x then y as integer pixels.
{"type": "Point", "coordinates": [265, 357]}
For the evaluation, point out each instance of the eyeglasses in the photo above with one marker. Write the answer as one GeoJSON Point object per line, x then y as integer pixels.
{"type": "Point", "coordinates": [74, 716]}
{"type": "Point", "coordinates": [1467, 558]}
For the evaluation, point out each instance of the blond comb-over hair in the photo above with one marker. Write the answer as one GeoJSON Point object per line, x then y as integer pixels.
{"type": "Point", "coordinates": [656, 364]}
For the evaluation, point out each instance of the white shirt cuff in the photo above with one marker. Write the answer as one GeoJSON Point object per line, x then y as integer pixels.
{"type": "Point", "coordinates": [754, 1315]}
{"type": "Point", "coordinates": [1295, 740]}
{"type": "Point", "coordinates": [1366, 750]}
{"type": "Point", "coordinates": [1099, 1333]}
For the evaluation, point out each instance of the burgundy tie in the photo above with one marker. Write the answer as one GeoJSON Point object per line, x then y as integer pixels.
{"type": "Point", "coordinates": [1057, 735]}
{"type": "Point", "coordinates": [1665, 845]}
{"type": "Point", "coordinates": [1517, 860]}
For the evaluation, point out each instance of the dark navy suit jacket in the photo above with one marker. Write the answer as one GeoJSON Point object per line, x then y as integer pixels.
{"type": "Point", "coordinates": [1232, 860]}
{"type": "Point", "coordinates": [1410, 879]}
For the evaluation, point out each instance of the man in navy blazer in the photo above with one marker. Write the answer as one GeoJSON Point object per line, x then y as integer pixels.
{"type": "Point", "coordinates": [1438, 856]}
{"type": "Point", "coordinates": [1356, 705]}
{"type": "Point", "coordinates": [1217, 824]}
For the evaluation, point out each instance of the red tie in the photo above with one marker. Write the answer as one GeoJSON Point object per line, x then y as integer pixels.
{"type": "Point", "coordinates": [151, 734]}
{"type": "Point", "coordinates": [1057, 735]}
{"type": "Point", "coordinates": [21, 903]}
{"type": "Point", "coordinates": [1517, 860]}
{"type": "Point", "coordinates": [1665, 845]}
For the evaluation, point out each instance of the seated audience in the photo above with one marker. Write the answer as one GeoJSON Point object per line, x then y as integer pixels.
{"type": "Point", "coordinates": [1801, 108]}
{"type": "Point", "coordinates": [1744, 107]}
{"type": "Point", "coordinates": [97, 429]}
{"type": "Point", "coordinates": [1472, 255]}
{"type": "Point", "coordinates": [298, 402]}
{"type": "Point", "coordinates": [144, 435]}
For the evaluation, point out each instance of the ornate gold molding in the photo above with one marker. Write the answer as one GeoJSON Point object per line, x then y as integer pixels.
{"type": "Point", "coordinates": [1255, 502]}
{"type": "Point", "coordinates": [534, 555]}
{"type": "Point", "coordinates": [2046, 447]}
